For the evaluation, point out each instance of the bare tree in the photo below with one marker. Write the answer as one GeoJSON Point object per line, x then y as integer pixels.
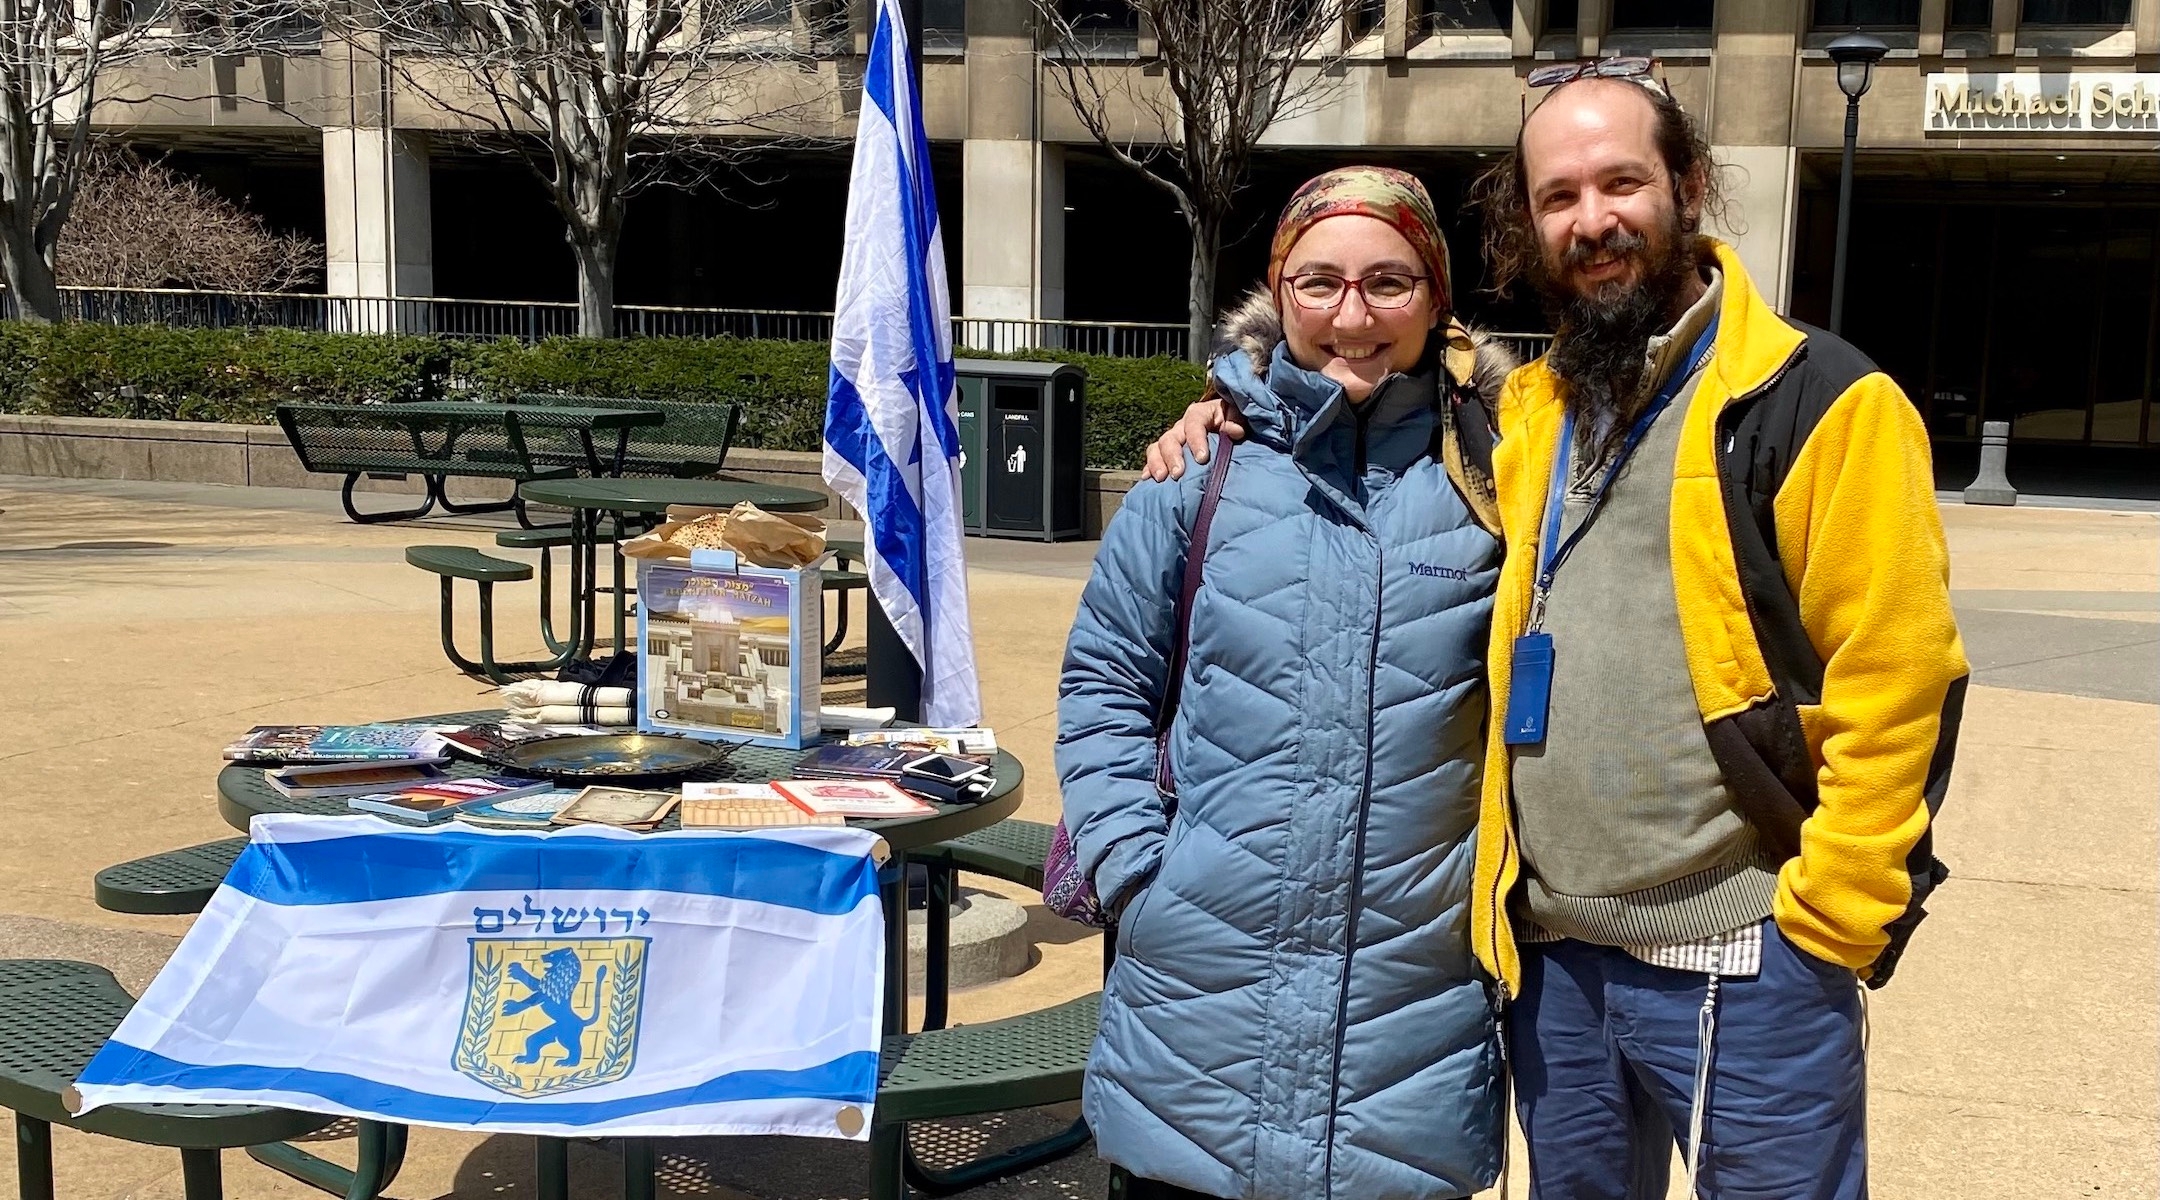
{"type": "Point", "coordinates": [51, 54]}
{"type": "Point", "coordinates": [55, 56]}
{"type": "Point", "coordinates": [605, 98]}
{"type": "Point", "coordinates": [1188, 114]}
{"type": "Point", "coordinates": [137, 224]}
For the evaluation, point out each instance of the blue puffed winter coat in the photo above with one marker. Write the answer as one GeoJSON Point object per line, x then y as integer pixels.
{"type": "Point", "coordinates": [1294, 1011]}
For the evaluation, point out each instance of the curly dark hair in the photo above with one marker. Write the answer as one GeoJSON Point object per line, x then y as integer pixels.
{"type": "Point", "coordinates": [1502, 194]}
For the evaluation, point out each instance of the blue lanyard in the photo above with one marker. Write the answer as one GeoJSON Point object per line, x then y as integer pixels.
{"type": "Point", "coordinates": [1551, 550]}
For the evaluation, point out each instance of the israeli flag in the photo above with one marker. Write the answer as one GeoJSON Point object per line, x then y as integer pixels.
{"type": "Point", "coordinates": [892, 439]}
{"type": "Point", "coordinates": [565, 983]}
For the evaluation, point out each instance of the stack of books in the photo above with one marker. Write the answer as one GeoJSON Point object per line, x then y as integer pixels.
{"type": "Point", "coordinates": [303, 745]}
{"type": "Point", "coordinates": [443, 799]}
{"type": "Point", "coordinates": [949, 766]}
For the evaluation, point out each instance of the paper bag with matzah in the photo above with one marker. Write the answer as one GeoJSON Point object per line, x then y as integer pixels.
{"type": "Point", "coordinates": [760, 538]}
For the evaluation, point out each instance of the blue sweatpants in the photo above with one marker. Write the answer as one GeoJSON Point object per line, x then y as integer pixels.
{"type": "Point", "coordinates": [1604, 1050]}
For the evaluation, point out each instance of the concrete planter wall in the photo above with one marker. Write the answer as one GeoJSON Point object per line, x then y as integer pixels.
{"type": "Point", "coordinates": [258, 456]}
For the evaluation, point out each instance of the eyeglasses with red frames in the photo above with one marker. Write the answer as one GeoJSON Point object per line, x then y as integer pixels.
{"type": "Point", "coordinates": [1320, 291]}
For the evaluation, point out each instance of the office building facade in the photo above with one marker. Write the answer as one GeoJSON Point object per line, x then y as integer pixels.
{"type": "Point", "coordinates": [2006, 225]}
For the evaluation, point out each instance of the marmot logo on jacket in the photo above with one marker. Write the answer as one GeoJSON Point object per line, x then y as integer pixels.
{"type": "Point", "coordinates": [1438, 572]}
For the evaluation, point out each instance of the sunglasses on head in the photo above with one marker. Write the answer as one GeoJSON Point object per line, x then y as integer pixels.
{"type": "Point", "coordinates": [1634, 69]}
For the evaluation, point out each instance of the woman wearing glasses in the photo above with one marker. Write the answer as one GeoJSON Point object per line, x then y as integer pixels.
{"type": "Point", "coordinates": [1294, 1011]}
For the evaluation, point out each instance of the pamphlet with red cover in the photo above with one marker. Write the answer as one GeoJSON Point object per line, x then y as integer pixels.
{"type": "Point", "coordinates": [852, 798]}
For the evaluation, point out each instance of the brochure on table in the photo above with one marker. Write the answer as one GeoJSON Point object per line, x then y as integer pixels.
{"type": "Point", "coordinates": [728, 651]}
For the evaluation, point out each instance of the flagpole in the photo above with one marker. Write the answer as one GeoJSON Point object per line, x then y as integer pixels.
{"type": "Point", "coordinates": [911, 20]}
{"type": "Point", "coordinates": [891, 676]}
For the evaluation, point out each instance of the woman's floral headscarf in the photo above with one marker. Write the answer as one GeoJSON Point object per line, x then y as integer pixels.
{"type": "Point", "coordinates": [1382, 192]}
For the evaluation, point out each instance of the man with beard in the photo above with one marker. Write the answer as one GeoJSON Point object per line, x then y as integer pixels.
{"type": "Point", "coordinates": [1725, 680]}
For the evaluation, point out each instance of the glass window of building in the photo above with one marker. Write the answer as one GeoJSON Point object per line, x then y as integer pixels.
{"type": "Point", "coordinates": [757, 12]}
{"type": "Point", "coordinates": [2051, 253]}
{"type": "Point", "coordinates": [1957, 354]}
{"type": "Point", "coordinates": [1463, 16]}
{"type": "Point", "coordinates": [1969, 14]}
{"type": "Point", "coordinates": [1862, 14]}
{"type": "Point", "coordinates": [2043, 315]}
{"type": "Point", "coordinates": [1661, 14]}
{"type": "Point", "coordinates": [1109, 16]}
{"type": "Point", "coordinates": [2076, 12]}
{"type": "Point", "coordinates": [1560, 16]}
{"type": "Point", "coordinates": [945, 15]}
{"type": "Point", "coordinates": [2129, 313]}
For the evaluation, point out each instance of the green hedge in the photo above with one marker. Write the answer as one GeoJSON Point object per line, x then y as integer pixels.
{"type": "Point", "coordinates": [242, 375]}
{"type": "Point", "coordinates": [77, 370]}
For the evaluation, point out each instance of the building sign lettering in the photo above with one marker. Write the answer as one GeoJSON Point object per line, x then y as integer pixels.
{"type": "Point", "coordinates": [2029, 103]}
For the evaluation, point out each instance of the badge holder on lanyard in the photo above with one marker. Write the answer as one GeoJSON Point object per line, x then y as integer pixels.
{"type": "Point", "coordinates": [1531, 666]}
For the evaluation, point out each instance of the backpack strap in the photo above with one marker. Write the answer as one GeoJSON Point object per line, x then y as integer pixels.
{"type": "Point", "coordinates": [1196, 547]}
{"type": "Point", "coordinates": [1466, 436]}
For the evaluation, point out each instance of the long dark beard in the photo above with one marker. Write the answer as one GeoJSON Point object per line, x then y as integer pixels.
{"type": "Point", "coordinates": [1601, 339]}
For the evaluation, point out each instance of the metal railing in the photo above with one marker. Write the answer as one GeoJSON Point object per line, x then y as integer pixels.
{"type": "Point", "coordinates": [1117, 339]}
{"type": "Point", "coordinates": [1525, 346]}
{"type": "Point", "coordinates": [535, 320]}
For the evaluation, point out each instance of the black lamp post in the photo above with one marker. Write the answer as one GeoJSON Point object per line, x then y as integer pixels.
{"type": "Point", "coordinates": [1855, 55]}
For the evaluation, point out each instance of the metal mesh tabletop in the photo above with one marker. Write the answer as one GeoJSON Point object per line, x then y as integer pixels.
{"type": "Point", "coordinates": [532, 415]}
{"type": "Point", "coordinates": [244, 793]}
{"type": "Point", "coordinates": [655, 495]}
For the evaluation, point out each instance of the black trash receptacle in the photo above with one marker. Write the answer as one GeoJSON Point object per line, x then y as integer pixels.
{"type": "Point", "coordinates": [1020, 474]}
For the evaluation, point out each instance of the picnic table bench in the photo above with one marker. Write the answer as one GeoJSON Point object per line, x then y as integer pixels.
{"type": "Point", "coordinates": [439, 440]}
{"type": "Point", "coordinates": [56, 1014]}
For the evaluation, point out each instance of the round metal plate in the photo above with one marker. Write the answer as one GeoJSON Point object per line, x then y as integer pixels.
{"type": "Point", "coordinates": [606, 756]}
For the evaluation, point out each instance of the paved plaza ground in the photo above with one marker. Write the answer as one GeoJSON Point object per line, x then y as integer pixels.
{"type": "Point", "coordinates": [143, 625]}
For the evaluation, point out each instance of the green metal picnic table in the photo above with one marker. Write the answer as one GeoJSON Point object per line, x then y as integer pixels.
{"type": "Point", "coordinates": [244, 793]}
{"type": "Point", "coordinates": [613, 501]}
{"type": "Point", "coordinates": [438, 439]}
{"type": "Point", "coordinates": [1017, 1062]}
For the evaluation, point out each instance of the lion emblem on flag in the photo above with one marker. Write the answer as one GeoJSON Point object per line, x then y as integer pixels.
{"type": "Point", "coordinates": [551, 1015]}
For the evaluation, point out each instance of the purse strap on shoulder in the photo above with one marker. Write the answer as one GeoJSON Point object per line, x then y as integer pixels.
{"type": "Point", "coordinates": [1196, 547]}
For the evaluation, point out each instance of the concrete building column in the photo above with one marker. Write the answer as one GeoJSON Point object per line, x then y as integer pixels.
{"type": "Point", "coordinates": [1012, 251]}
{"type": "Point", "coordinates": [1752, 89]}
{"type": "Point", "coordinates": [1526, 24]}
{"type": "Point", "coordinates": [1395, 28]}
{"type": "Point", "coordinates": [377, 224]}
{"type": "Point", "coordinates": [1592, 19]}
{"type": "Point", "coordinates": [2003, 18]}
{"type": "Point", "coordinates": [1934, 15]}
{"type": "Point", "coordinates": [1012, 256]}
{"type": "Point", "coordinates": [376, 213]}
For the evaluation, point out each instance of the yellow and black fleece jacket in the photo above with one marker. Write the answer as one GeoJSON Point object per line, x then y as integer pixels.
{"type": "Point", "coordinates": [1814, 599]}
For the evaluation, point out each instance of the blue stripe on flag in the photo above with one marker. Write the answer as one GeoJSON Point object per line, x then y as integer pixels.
{"type": "Point", "coordinates": [850, 1079]}
{"type": "Point", "coordinates": [395, 866]}
{"type": "Point", "coordinates": [897, 526]}
{"type": "Point", "coordinates": [919, 218]}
